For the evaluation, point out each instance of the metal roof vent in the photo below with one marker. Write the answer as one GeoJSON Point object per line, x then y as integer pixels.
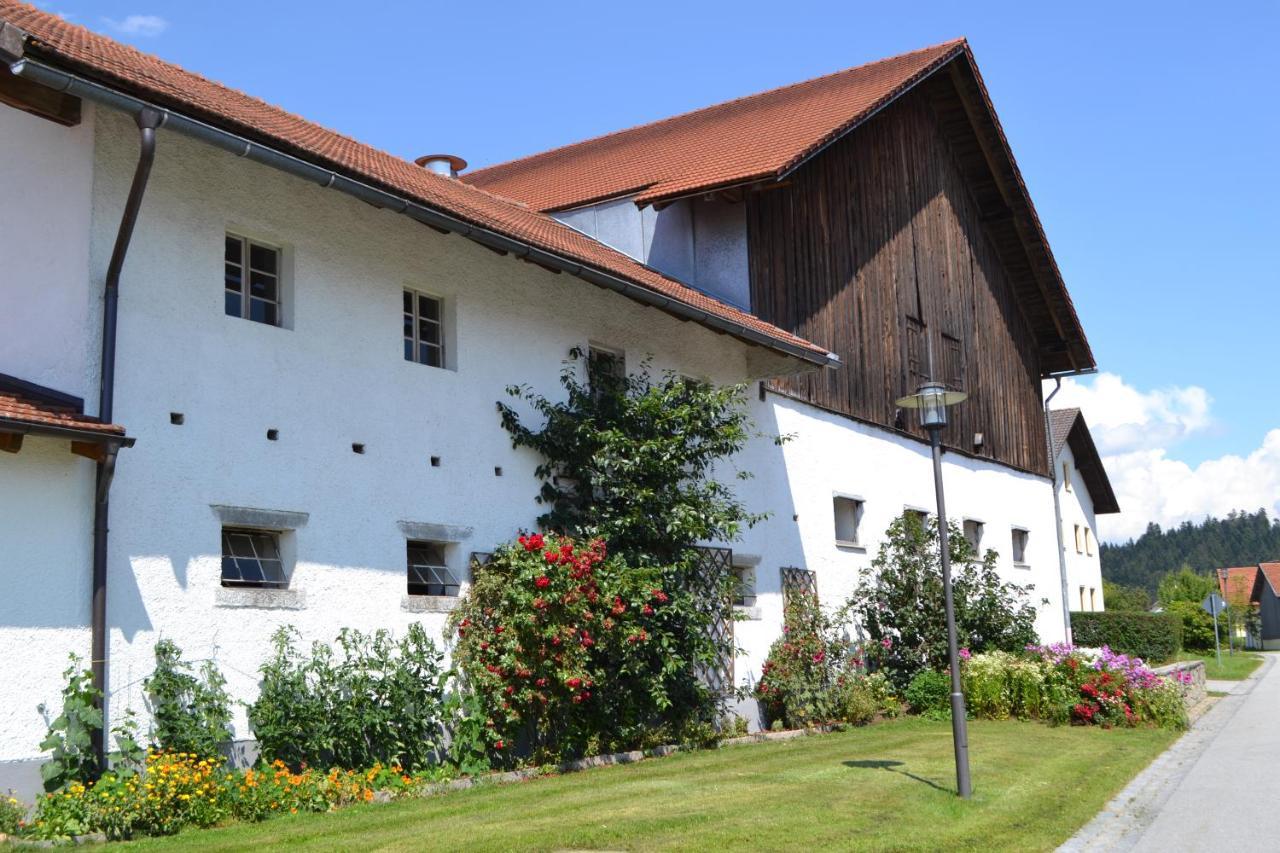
{"type": "Point", "coordinates": [448, 165]}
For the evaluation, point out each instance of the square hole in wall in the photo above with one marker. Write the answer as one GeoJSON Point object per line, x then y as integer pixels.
{"type": "Point", "coordinates": [273, 435]}
{"type": "Point", "coordinates": [177, 418]}
{"type": "Point", "coordinates": [357, 447]}
{"type": "Point", "coordinates": [497, 471]}
{"type": "Point", "coordinates": [435, 461]}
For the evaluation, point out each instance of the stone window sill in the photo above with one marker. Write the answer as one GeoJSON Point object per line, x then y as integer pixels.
{"type": "Point", "coordinates": [428, 603]}
{"type": "Point", "coordinates": [845, 545]}
{"type": "Point", "coordinates": [261, 599]}
{"type": "Point", "coordinates": [1022, 565]}
{"type": "Point", "coordinates": [750, 614]}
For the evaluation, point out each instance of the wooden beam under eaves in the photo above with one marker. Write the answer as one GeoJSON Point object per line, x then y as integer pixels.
{"type": "Point", "coordinates": [94, 450]}
{"type": "Point", "coordinates": [10, 442]}
{"type": "Point", "coordinates": [38, 100]}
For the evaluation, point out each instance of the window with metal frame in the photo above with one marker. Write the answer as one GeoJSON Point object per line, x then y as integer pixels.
{"type": "Point", "coordinates": [423, 329]}
{"type": "Point", "coordinates": [973, 530]}
{"type": "Point", "coordinates": [428, 572]}
{"type": "Point", "coordinates": [252, 280]}
{"type": "Point", "coordinates": [251, 558]}
{"type": "Point", "coordinates": [605, 368]}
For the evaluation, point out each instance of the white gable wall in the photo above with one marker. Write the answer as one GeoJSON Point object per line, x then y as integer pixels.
{"type": "Point", "coordinates": [1084, 570]}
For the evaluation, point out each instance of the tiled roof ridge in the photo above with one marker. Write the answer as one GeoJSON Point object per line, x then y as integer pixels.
{"type": "Point", "coordinates": [494, 167]}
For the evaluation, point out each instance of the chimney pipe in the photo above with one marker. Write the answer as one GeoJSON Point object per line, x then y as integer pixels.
{"type": "Point", "coordinates": [448, 165]}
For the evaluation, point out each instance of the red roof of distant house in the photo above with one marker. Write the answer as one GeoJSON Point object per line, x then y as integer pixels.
{"type": "Point", "coordinates": [1271, 571]}
{"type": "Point", "coordinates": [1237, 585]}
{"type": "Point", "coordinates": [748, 139]}
{"type": "Point", "coordinates": [20, 410]}
{"type": "Point", "coordinates": [168, 86]}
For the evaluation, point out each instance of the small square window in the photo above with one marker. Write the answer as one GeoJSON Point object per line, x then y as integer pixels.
{"type": "Point", "coordinates": [428, 572]}
{"type": "Point", "coordinates": [423, 329]}
{"type": "Point", "coordinates": [1020, 539]}
{"type": "Point", "coordinates": [973, 532]}
{"type": "Point", "coordinates": [919, 516]}
{"type": "Point", "coordinates": [252, 290]}
{"type": "Point", "coordinates": [848, 517]}
{"type": "Point", "coordinates": [251, 558]}
{"type": "Point", "coordinates": [744, 588]}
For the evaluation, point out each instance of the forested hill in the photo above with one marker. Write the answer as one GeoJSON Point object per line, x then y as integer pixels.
{"type": "Point", "coordinates": [1240, 539]}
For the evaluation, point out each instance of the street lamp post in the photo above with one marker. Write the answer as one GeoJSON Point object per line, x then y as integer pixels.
{"type": "Point", "coordinates": [932, 399]}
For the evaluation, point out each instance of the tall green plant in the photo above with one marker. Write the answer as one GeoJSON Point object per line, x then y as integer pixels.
{"type": "Point", "coordinates": [373, 700]}
{"type": "Point", "coordinates": [69, 740]}
{"type": "Point", "coordinates": [900, 602]}
{"type": "Point", "coordinates": [190, 713]}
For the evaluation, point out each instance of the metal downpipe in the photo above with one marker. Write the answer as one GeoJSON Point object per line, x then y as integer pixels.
{"type": "Point", "coordinates": [1057, 511]}
{"type": "Point", "coordinates": [148, 120]}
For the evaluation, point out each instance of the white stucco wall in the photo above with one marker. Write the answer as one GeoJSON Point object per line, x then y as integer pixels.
{"type": "Point", "coordinates": [1084, 569]}
{"type": "Point", "coordinates": [46, 548]}
{"type": "Point", "coordinates": [47, 175]}
{"type": "Point", "coordinates": [828, 455]}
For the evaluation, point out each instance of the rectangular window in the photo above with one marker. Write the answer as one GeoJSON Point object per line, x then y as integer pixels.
{"type": "Point", "coordinates": [428, 572]}
{"type": "Point", "coordinates": [744, 589]}
{"type": "Point", "coordinates": [252, 280]}
{"type": "Point", "coordinates": [1093, 598]}
{"type": "Point", "coordinates": [1020, 539]}
{"type": "Point", "coordinates": [605, 367]}
{"type": "Point", "coordinates": [973, 532]}
{"type": "Point", "coordinates": [848, 516]}
{"type": "Point", "coordinates": [1066, 476]}
{"type": "Point", "coordinates": [919, 516]}
{"type": "Point", "coordinates": [1079, 540]}
{"type": "Point", "coordinates": [1082, 598]}
{"type": "Point", "coordinates": [251, 558]}
{"type": "Point", "coordinates": [1088, 541]}
{"type": "Point", "coordinates": [423, 329]}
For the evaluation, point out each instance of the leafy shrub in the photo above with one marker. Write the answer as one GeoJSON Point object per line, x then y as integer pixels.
{"type": "Point", "coordinates": [189, 713]}
{"type": "Point", "coordinates": [70, 737]}
{"type": "Point", "coordinates": [1151, 636]}
{"type": "Point", "coordinates": [1186, 584]}
{"type": "Point", "coordinates": [801, 680]}
{"type": "Point", "coordinates": [1105, 688]}
{"type": "Point", "coordinates": [570, 652]}
{"type": "Point", "coordinates": [999, 685]}
{"type": "Point", "coordinates": [374, 701]}
{"type": "Point", "coordinates": [13, 815]}
{"type": "Point", "coordinates": [900, 602]}
{"type": "Point", "coordinates": [1119, 597]}
{"type": "Point", "coordinates": [929, 694]}
{"type": "Point", "coordinates": [1197, 625]}
{"type": "Point", "coordinates": [854, 702]}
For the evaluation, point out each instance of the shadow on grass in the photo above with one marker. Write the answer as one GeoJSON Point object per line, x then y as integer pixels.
{"type": "Point", "coordinates": [891, 767]}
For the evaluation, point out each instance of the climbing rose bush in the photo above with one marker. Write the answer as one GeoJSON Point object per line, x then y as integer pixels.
{"type": "Point", "coordinates": [567, 650]}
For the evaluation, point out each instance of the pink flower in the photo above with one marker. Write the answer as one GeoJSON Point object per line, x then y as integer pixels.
{"type": "Point", "coordinates": [965, 654]}
{"type": "Point", "coordinates": [887, 642]}
{"type": "Point", "coordinates": [817, 658]}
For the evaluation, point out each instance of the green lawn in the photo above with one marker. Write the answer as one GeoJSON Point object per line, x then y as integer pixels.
{"type": "Point", "coordinates": [886, 787]}
{"type": "Point", "coordinates": [1234, 666]}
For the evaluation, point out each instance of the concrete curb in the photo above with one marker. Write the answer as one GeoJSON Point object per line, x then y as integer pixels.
{"type": "Point", "coordinates": [1123, 821]}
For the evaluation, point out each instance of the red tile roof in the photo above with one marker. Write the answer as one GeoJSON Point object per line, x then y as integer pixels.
{"type": "Point", "coordinates": [166, 85]}
{"type": "Point", "coordinates": [18, 409]}
{"type": "Point", "coordinates": [1237, 584]}
{"type": "Point", "coordinates": [1271, 571]}
{"type": "Point", "coordinates": [740, 141]}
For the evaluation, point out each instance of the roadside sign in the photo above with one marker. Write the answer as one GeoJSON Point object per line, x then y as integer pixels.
{"type": "Point", "coordinates": [1213, 604]}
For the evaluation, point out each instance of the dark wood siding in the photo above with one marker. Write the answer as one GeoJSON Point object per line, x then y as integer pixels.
{"type": "Point", "coordinates": [876, 249]}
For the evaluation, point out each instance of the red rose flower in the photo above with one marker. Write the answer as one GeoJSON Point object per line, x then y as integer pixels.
{"type": "Point", "coordinates": [542, 582]}
{"type": "Point", "coordinates": [551, 557]}
{"type": "Point", "coordinates": [648, 610]}
{"type": "Point", "coordinates": [574, 682]}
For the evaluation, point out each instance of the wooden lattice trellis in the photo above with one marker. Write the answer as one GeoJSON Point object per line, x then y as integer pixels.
{"type": "Point", "coordinates": [708, 584]}
{"type": "Point", "coordinates": [798, 582]}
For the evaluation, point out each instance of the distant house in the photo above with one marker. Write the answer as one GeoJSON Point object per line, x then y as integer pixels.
{"type": "Point", "coordinates": [1084, 492]}
{"type": "Point", "coordinates": [1258, 587]}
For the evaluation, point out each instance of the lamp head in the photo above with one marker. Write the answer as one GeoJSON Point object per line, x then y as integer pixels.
{"type": "Point", "coordinates": [932, 399]}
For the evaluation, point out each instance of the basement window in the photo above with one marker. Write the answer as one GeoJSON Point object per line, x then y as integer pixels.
{"type": "Point", "coordinates": [423, 329]}
{"type": "Point", "coordinates": [1020, 538]}
{"type": "Point", "coordinates": [428, 571]}
{"type": "Point", "coordinates": [252, 281]}
{"type": "Point", "coordinates": [251, 558]}
{"type": "Point", "coordinates": [848, 519]}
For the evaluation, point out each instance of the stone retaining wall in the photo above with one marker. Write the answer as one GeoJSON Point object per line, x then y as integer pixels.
{"type": "Point", "coordinates": [1193, 693]}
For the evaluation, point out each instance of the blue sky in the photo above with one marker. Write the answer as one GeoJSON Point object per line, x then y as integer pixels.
{"type": "Point", "coordinates": [1148, 134]}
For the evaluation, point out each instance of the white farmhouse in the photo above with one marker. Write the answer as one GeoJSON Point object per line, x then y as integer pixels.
{"type": "Point", "coordinates": [273, 353]}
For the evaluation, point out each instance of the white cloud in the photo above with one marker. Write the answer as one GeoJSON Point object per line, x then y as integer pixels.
{"type": "Point", "coordinates": [1136, 430]}
{"type": "Point", "coordinates": [1124, 419]}
{"type": "Point", "coordinates": [146, 26]}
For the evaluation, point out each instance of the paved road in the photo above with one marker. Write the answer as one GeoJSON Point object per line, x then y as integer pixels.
{"type": "Point", "coordinates": [1217, 788]}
